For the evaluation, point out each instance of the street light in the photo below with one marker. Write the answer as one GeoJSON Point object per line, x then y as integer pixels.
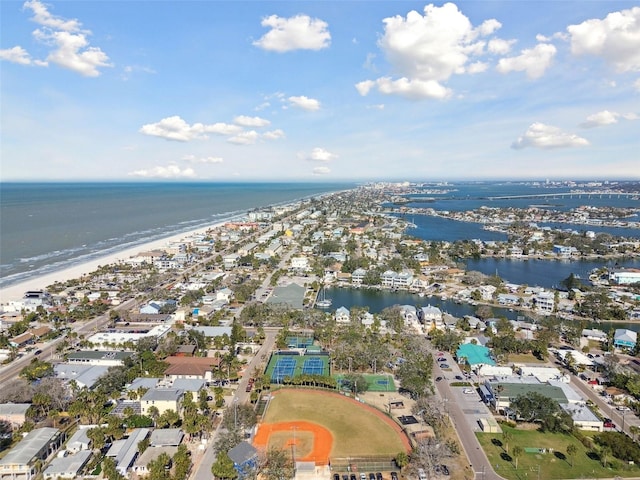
{"type": "Point", "coordinates": [235, 413]}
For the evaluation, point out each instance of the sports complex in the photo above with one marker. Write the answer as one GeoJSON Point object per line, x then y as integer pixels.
{"type": "Point", "coordinates": [325, 429]}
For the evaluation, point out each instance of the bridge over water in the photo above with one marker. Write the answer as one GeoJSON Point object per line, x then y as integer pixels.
{"type": "Point", "coordinates": [595, 194]}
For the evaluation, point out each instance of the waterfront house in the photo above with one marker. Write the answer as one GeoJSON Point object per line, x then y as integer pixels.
{"type": "Point", "coordinates": [625, 277]}
{"type": "Point", "coordinates": [343, 315]}
{"type": "Point", "coordinates": [357, 276]}
{"type": "Point", "coordinates": [431, 317]}
{"type": "Point", "coordinates": [544, 302]}
{"type": "Point", "coordinates": [624, 338]}
{"type": "Point", "coordinates": [594, 334]}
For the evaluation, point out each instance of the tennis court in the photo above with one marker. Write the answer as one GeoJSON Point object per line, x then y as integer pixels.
{"type": "Point", "coordinates": [375, 383]}
{"type": "Point", "coordinates": [299, 342]}
{"type": "Point", "coordinates": [283, 365]}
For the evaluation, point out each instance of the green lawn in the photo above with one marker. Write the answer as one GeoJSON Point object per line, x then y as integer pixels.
{"type": "Point", "coordinates": [357, 431]}
{"type": "Point", "coordinates": [552, 465]}
{"type": "Point", "coordinates": [524, 358]}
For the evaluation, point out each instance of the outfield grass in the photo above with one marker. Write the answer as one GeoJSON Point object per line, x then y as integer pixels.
{"type": "Point", "coordinates": [556, 465]}
{"type": "Point", "coordinates": [356, 430]}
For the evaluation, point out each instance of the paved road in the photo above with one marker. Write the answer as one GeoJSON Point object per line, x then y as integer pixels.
{"type": "Point", "coordinates": [202, 468]}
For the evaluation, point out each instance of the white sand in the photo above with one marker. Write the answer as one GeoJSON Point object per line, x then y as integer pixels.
{"type": "Point", "coordinates": [17, 291]}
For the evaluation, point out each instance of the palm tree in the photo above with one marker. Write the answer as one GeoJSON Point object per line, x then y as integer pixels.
{"type": "Point", "coordinates": [507, 436]}
{"type": "Point", "coordinates": [571, 451]}
{"type": "Point", "coordinates": [634, 430]}
{"type": "Point", "coordinates": [516, 452]}
{"type": "Point", "coordinates": [605, 451]}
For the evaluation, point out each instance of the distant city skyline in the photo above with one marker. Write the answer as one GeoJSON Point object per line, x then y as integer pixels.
{"type": "Point", "coordinates": [319, 91]}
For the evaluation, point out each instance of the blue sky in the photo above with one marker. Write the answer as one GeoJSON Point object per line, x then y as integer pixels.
{"type": "Point", "coordinates": [319, 91]}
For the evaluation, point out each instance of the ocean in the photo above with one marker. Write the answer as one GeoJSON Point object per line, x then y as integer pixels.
{"type": "Point", "coordinates": [47, 227]}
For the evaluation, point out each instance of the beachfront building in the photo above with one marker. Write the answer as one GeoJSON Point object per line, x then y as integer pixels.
{"type": "Point", "coordinates": [21, 461]}
{"type": "Point", "coordinates": [624, 338]}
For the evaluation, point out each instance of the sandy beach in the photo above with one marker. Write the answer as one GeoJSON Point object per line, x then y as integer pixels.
{"type": "Point", "coordinates": [16, 292]}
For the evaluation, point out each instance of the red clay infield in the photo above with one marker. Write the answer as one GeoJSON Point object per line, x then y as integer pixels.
{"type": "Point", "coordinates": [322, 438]}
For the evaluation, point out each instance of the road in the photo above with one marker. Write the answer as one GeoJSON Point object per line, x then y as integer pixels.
{"type": "Point", "coordinates": [477, 459]}
{"type": "Point", "coordinates": [202, 467]}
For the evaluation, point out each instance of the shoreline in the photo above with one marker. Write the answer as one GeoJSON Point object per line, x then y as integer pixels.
{"type": "Point", "coordinates": [16, 291]}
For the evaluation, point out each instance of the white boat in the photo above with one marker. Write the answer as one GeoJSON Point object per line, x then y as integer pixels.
{"type": "Point", "coordinates": [321, 301]}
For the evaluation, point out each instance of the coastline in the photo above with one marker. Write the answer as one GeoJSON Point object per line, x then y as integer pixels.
{"type": "Point", "coordinates": [16, 291]}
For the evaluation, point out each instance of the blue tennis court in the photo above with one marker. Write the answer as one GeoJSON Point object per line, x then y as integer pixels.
{"type": "Point", "coordinates": [313, 366]}
{"type": "Point", "coordinates": [284, 367]}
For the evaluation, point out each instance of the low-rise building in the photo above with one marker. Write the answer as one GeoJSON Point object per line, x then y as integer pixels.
{"type": "Point", "coordinates": [67, 467]}
{"type": "Point", "coordinates": [163, 399]}
{"type": "Point", "coordinates": [20, 462]}
{"type": "Point", "coordinates": [624, 338]}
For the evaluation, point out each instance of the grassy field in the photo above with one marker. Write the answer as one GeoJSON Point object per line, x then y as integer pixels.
{"type": "Point", "coordinates": [356, 430]}
{"type": "Point", "coordinates": [524, 358]}
{"type": "Point", "coordinates": [552, 465]}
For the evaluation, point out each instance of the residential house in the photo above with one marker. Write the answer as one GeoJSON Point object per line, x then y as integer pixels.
{"type": "Point", "coordinates": [79, 441]}
{"type": "Point", "coordinates": [198, 368]}
{"type": "Point", "coordinates": [624, 338]}
{"type": "Point", "coordinates": [149, 455]}
{"type": "Point", "coordinates": [163, 399]}
{"type": "Point", "coordinates": [21, 462]}
{"type": "Point", "coordinates": [343, 315]}
{"type": "Point", "coordinates": [14, 413]}
{"type": "Point", "coordinates": [544, 301]}
{"type": "Point", "coordinates": [67, 467]}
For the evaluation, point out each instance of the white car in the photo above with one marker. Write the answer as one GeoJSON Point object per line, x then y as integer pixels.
{"type": "Point", "coordinates": [467, 390]}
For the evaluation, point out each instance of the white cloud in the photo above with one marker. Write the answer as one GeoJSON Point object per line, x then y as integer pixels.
{"type": "Point", "coordinates": [209, 160]}
{"type": "Point", "coordinates": [543, 136]}
{"type": "Point", "coordinates": [43, 17]}
{"type": "Point", "coordinates": [413, 89]}
{"type": "Point", "coordinates": [477, 67]}
{"type": "Point", "coordinates": [170, 171]}
{"type": "Point", "coordinates": [601, 118]}
{"type": "Point", "coordinates": [251, 121]}
{"type": "Point", "coordinates": [321, 171]}
{"type": "Point", "coordinates": [636, 85]}
{"type": "Point", "coordinates": [175, 128]}
{"type": "Point", "coordinates": [273, 134]}
{"type": "Point", "coordinates": [74, 53]}
{"type": "Point", "coordinates": [319, 154]}
{"type": "Point", "coordinates": [534, 61]}
{"type": "Point", "coordinates": [295, 33]}
{"type": "Point", "coordinates": [245, 138]}
{"type": "Point", "coordinates": [500, 46]}
{"type": "Point", "coordinates": [606, 117]}
{"type": "Point", "coordinates": [305, 103]}
{"type": "Point", "coordinates": [71, 47]}
{"type": "Point", "coordinates": [428, 49]}
{"type": "Point", "coordinates": [616, 39]}
{"type": "Point", "coordinates": [16, 54]}
{"type": "Point", "coordinates": [128, 70]}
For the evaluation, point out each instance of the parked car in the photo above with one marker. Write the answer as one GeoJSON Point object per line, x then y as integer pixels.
{"type": "Point", "coordinates": [438, 379]}
{"type": "Point", "coordinates": [609, 424]}
{"type": "Point", "coordinates": [372, 476]}
{"type": "Point", "coordinates": [379, 476]}
{"type": "Point", "coordinates": [442, 359]}
{"type": "Point", "coordinates": [459, 377]}
{"type": "Point", "coordinates": [336, 476]}
{"type": "Point", "coordinates": [363, 476]}
{"type": "Point", "coordinates": [422, 475]}
{"type": "Point", "coordinates": [394, 476]}
{"type": "Point", "coordinates": [467, 390]}
{"type": "Point", "coordinates": [353, 477]}
{"type": "Point", "coordinates": [444, 365]}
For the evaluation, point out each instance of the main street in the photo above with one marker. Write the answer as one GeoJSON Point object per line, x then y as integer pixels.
{"type": "Point", "coordinates": [202, 466]}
